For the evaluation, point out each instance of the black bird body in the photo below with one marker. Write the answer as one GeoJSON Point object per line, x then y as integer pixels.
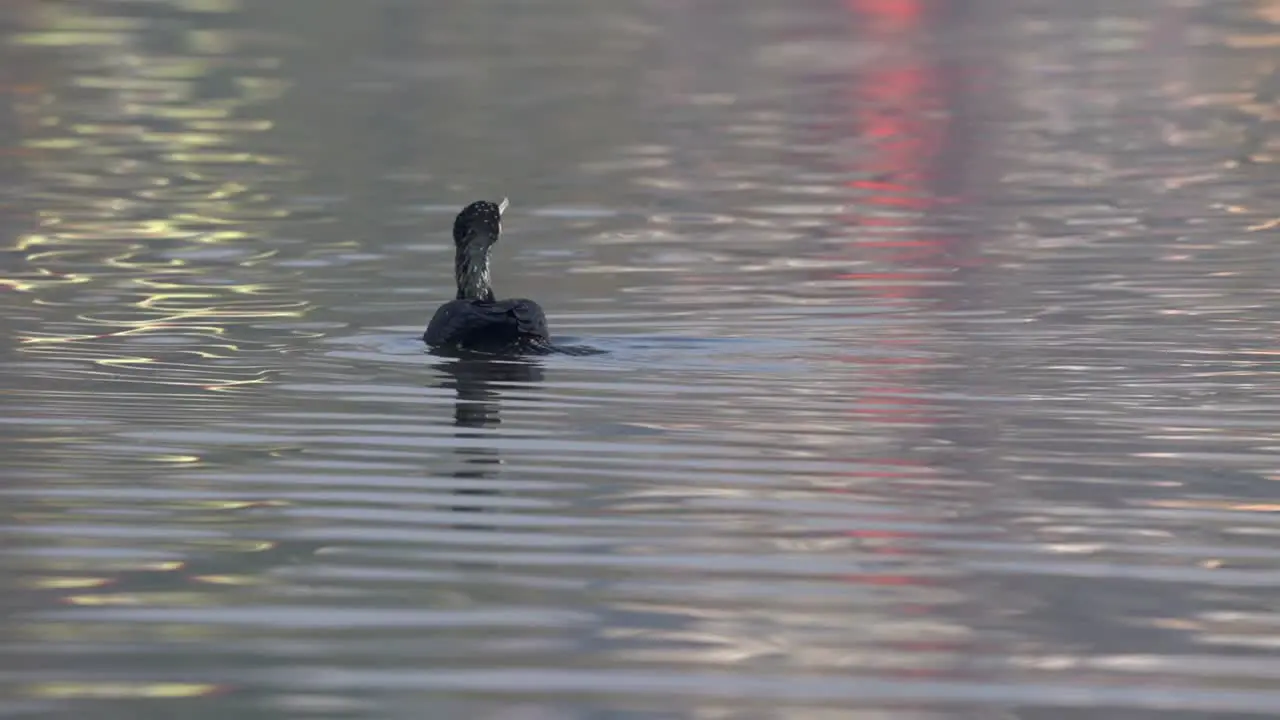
{"type": "Point", "coordinates": [475, 320]}
{"type": "Point", "coordinates": [488, 325]}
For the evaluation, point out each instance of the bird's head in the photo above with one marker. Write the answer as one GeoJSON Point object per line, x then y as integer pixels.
{"type": "Point", "coordinates": [479, 222]}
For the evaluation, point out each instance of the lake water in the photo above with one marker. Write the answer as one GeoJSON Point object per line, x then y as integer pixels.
{"type": "Point", "coordinates": [940, 373]}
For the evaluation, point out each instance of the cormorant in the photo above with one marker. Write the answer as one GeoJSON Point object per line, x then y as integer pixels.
{"type": "Point", "coordinates": [474, 320]}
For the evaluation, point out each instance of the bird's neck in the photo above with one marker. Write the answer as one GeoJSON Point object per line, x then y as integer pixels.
{"type": "Point", "coordinates": [471, 267]}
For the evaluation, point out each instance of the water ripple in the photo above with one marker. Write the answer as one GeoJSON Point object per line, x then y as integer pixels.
{"type": "Point", "coordinates": [936, 374]}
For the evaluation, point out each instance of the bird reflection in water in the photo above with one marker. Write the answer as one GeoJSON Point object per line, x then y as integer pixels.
{"type": "Point", "coordinates": [479, 382]}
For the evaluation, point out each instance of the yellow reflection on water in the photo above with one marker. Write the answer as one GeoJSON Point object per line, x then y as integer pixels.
{"type": "Point", "coordinates": [64, 582]}
{"type": "Point", "coordinates": [137, 599]}
{"type": "Point", "coordinates": [116, 690]}
{"type": "Point", "coordinates": [151, 196]}
{"type": "Point", "coordinates": [175, 459]}
{"type": "Point", "coordinates": [237, 505]}
{"type": "Point", "coordinates": [235, 580]}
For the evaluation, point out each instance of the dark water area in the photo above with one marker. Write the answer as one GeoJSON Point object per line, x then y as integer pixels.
{"type": "Point", "coordinates": [940, 373]}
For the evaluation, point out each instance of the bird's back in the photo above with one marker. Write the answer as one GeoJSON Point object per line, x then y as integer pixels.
{"type": "Point", "coordinates": [488, 325]}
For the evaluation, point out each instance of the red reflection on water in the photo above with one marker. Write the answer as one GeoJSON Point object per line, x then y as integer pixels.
{"type": "Point", "coordinates": [899, 108]}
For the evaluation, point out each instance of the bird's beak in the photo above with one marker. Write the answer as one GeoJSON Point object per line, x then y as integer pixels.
{"type": "Point", "coordinates": [502, 206]}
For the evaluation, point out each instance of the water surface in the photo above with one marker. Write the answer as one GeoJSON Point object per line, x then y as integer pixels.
{"type": "Point", "coordinates": [938, 379]}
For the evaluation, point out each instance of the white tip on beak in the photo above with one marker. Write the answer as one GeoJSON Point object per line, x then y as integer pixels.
{"type": "Point", "coordinates": [502, 206]}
